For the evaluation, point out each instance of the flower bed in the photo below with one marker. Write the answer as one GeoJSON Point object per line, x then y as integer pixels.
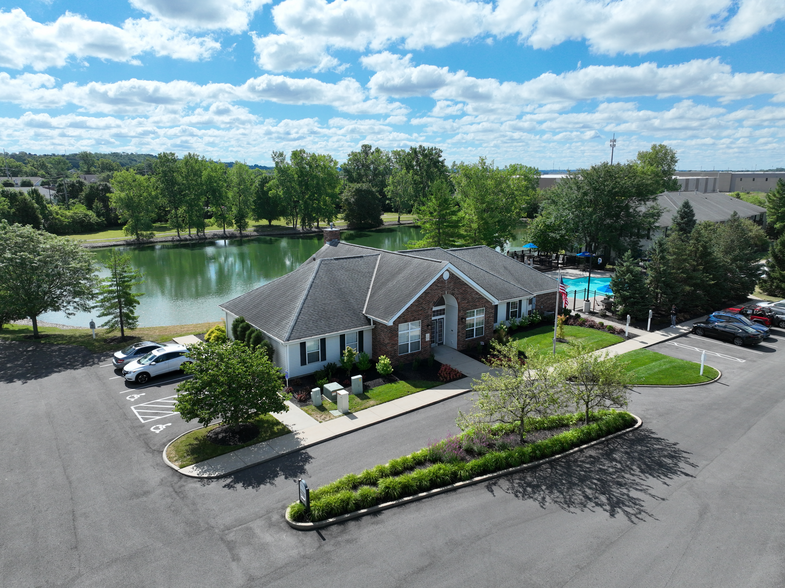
{"type": "Point", "coordinates": [455, 459]}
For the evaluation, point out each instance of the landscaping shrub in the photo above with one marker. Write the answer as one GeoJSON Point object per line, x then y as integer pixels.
{"type": "Point", "coordinates": [254, 338]}
{"type": "Point", "coordinates": [610, 329]}
{"type": "Point", "coordinates": [242, 330]}
{"type": "Point", "coordinates": [448, 463]}
{"type": "Point", "coordinates": [582, 322]}
{"type": "Point", "coordinates": [267, 348]}
{"type": "Point", "coordinates": [384, 366]}
{"type": "Point", "coordinates": [363, 362]}
{"type": "Point", "coordinates": [347, 360]}
{"type": "Point", "coordinates": [331, 369]}
{"type": "Point", "coordinates": [217, 334]}
{"type": "Point", "coordinates": [236, 327]}
{"type": "Point", "coordinates": [431, 360]}
{"type": "Point", "coordinates": [447, 373]}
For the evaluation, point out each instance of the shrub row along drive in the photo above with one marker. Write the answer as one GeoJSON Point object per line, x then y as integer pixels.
{"type": "Point", "coordinates": [471, 454]}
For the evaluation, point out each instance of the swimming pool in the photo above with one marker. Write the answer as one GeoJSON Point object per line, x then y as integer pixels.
{"type": "Point", "coordinates": [579, 284]}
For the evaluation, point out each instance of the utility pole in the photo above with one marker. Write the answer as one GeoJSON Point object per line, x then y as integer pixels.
{"type": "Point", "coordinates": [613, 146]}
{"type": "Point", "coordinates": [5, 159]}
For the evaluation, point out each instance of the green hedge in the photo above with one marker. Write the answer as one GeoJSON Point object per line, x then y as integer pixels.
{"type": "Point", "coordinates": [401, 477]}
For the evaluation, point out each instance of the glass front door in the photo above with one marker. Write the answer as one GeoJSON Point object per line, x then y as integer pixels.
{"type": "Point", "coordinates": [438, 330]}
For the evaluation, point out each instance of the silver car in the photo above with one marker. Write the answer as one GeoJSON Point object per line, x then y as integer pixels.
{"type": "Point", "coordinates": [168, 358]}
{"type": "Point", "coordinates": [122, 358]}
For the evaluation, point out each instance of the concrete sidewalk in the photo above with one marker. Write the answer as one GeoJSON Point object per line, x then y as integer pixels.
{"type": "Point", "coordinates": [306, 431]}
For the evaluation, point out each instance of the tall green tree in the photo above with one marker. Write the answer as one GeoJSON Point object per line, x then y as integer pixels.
{"type": "Point", "coordinates": [630, 292]}
{"type": "Point", "coordinates": [775, 209]}
{"type": "Point", "coordinates": [230, 382]}
{"type": "Point", "coordinates": [190, 174]}
{"type": "Point", "coordinates": [773, 283]}
{"type": "Point", "coordinates": [287, 188]}
{"type": "Point", "coordinates": [241, 195]}
{"type": "Point", "coordinates": [44, 273]}
{"type": "Point", "coordinates": [659, 163]}
{"type": "Point", "coordinates": [87, 162]}
{"type": "Point", "coordinates": [427, 166]}
{"type": "Point", "coordinates": [492, 200]}
{"type": "Point", "coordinates": [216, 190]}
{"type": "Point", "coordinates": [117, 300]}
{"type": "Point", "coordinates": [19, 207]}
{"type": "Point", "coordinates": [167, 185]}
{"type": "Point", "coordinates": [361, 207]}
{"type": "Point", "coordinates": [369, 166]}
{"type": "Point", "coordinates": [400, 191]}
{"type": "Point", "coordinates": [659, 277]}
{"type": "Point", "coordinates": [136, 203]}
{"type": "Point", "coordinates": [605, 207]}
{"type": "Point", "coordinates": [266, 204]}
{"type": "Point", "coordinates": [738, 245]}
{"type": "Point", "coordinates": [684, 219]}
{"type": "Point", "coordinates": [439, 218]}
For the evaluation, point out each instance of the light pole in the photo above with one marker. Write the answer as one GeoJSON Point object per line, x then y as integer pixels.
{"type": "Point", "coordinates": [613, 146]}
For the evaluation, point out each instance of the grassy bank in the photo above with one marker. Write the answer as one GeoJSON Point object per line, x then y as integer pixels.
{"type": "Point", "coordinates": [655, 369]}
{"type": "Point", "coordinates": [103, 342]}
{"type": "Point", "coordinates": [541, 339]}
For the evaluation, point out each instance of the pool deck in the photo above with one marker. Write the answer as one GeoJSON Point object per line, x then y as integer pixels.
{"type": "Point", "coordinates": [575, 302]}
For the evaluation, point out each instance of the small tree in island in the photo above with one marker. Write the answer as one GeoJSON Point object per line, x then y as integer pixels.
{"type": "Point", "coordinates": [233, 383]}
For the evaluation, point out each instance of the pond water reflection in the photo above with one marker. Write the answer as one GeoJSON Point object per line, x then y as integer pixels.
{"type": "Point", "coordinates": [184, 283]}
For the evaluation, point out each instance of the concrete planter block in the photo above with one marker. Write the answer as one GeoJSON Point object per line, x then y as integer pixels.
{"type": "Point", "coordinates": [330, 390]}
{"type": "Point", "coordinates": [357, 385]}
{"type": "Point", "coordinates": [316, 396]}
{"type": "Point", "coordinates": [343, 401]}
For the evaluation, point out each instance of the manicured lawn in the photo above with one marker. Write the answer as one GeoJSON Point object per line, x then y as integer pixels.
{"type": "Point", "coordinates": [655, 369]}
{"type": "Point", "coordinates": [102, 341]}
{"type": "Point", "coordinates": [541, 339]}
{"type": "Point", "coordinates": [378, 395]}
{"type": "Point", "coordinates": [763, 296]}
{"type": "Point", "coordinates": [194, 447]}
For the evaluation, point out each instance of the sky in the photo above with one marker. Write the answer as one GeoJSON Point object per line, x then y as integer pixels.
{"type": "Point", "coordinates": [545, 83]}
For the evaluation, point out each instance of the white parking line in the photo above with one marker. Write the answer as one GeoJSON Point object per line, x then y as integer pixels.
{"type": "Point", "coordinates": [107, 365]}
{"type": "Point", "coordinates": [115, 377]}
{"type": "Point", "coordinates": [698, 349]}
{"type": "Point", "coordinates": [155, 409]}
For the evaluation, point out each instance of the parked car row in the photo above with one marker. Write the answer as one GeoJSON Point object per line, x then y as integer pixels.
{"type": "Point", "coordinates": [144, 360]}
{"type": "Point", "coordinates": [747, 324]}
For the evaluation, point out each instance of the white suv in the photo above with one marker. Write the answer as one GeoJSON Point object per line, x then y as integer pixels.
{"type": "Point", "coordinates": [159, 361]}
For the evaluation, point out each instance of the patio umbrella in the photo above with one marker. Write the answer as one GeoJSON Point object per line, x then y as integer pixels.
{"type": "Point", "coordinates": [605, 289]}
{"type": "Point", "coordinates": [529, 246]}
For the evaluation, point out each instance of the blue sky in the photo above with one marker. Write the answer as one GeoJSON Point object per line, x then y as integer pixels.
{"type": "Point", "coordinates": [540, 82]}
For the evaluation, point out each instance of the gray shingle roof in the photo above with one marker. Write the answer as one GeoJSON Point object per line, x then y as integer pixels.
{"type": "Point", "coordinates": [501, 276]}
{"type": "Point", "coordinates": [342, 285]}
{"type": "Point", "coordinates": [713, 206]}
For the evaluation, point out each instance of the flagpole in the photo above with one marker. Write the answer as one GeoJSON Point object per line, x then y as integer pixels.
{"type": "Point", "coordinates": [556, 314]}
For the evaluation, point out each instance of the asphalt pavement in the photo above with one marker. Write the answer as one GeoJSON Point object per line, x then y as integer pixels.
{"type": "Point", "coordinates": [691, 499]}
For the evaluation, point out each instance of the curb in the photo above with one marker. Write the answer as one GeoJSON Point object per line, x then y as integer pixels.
{"type": "Point", "coordinates": [295, 450]}
{"type": "Point", "coordinates": [719, 375]}
{"type": "Point", "coordinates": [457, 486]}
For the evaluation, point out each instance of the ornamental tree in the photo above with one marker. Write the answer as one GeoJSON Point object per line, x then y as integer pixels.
{"type": "Point", "coordinates": [117, 301]}
{"type": "Point", "coordinates": [230, 382]}
{"type": "Point", "coordinates": [594, 380]}
{"type": "Point", "coordinates": [515, 390]}
{"type": "Point", "coordinates": [41, 272]}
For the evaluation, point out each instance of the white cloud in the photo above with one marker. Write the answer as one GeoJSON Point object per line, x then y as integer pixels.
{"type": "Point", "coordinates": [396, 77]}
{"type": "Point", "coordinates": [143, 97]}
{"type": "Point", "coordinates": [312, 27]}
{"type": "Point", "coordinates": [233, 15]}
{"type": "Point", "coordinates": [27, 43]}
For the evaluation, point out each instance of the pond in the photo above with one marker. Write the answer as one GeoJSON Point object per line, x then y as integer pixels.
{"type": "Point", "coordinates": [184, 283]}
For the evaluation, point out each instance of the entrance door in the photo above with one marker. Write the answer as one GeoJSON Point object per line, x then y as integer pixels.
{"type": "Point", "coordinates": [438, 330]}
{"type": "Point", "coordinates": [437, 326]}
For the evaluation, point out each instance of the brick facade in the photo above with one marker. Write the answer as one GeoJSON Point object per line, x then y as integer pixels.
{"type": "Point", "coordinates": [385, 338]}
{"type": "Point", "coordinates": [546, 303]}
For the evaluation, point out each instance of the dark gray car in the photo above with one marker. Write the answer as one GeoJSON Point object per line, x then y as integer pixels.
{"type": "Point", "coordinates": [132, 353]}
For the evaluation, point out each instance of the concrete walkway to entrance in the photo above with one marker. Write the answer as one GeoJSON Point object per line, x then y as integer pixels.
{"type": "Point", "coordinates": [306, 431]}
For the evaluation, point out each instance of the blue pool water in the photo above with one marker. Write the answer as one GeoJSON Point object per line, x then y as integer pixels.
{"type": "Point", "coordinates": [579, 284]}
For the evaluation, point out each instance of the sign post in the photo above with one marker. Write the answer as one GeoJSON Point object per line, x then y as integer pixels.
{"type": "Point", "coordinates": [627, 328]}
{"type": "Point", "coordinates": [305, 494]}
{"type": "Point", "coordinates": [648, 327]}
{"type": "Point", "coordinates": [703, 360]}
{"type": "Point", "coordinates": [92, 327]}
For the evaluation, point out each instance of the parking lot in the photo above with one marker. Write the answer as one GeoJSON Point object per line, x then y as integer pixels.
{"type": "Point", "coordinates": [150, 407]}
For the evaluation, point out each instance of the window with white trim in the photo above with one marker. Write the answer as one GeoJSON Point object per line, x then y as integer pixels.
{"type": "Point", "coordinates": [312, 351]}
{"type": "Point", "coordinates": [351, 341]}
{"type": "Point", "coordinates": [515, 311]}
{"type": "Point", "coordinates": [475, 323]}
{"type": "Point", "coordinates": [408, 337]}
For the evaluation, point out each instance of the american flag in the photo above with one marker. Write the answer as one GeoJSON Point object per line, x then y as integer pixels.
{"type": "Point", "coordinates": [563, 291]}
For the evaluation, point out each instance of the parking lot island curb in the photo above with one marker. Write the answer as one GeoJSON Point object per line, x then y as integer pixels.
{"type": "Point", "coordinates": [452, 487]}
